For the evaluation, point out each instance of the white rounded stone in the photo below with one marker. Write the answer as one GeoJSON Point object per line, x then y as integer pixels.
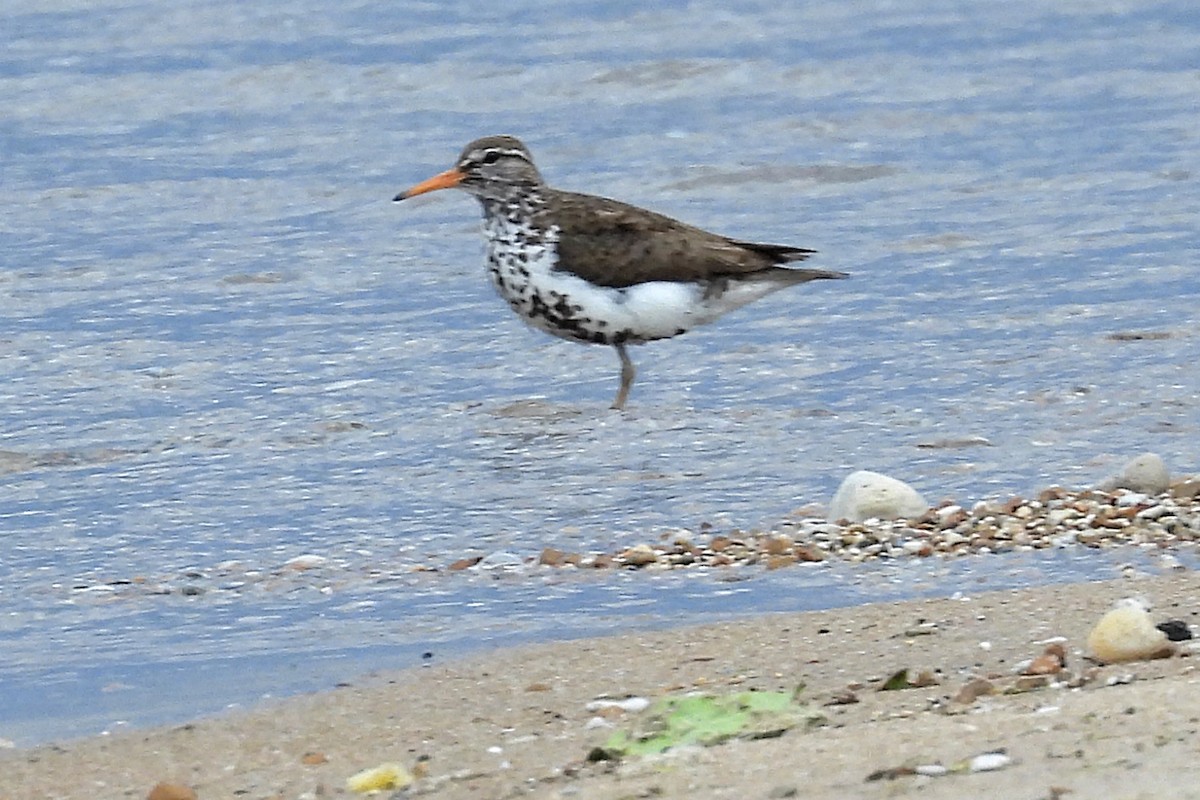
{"type": "Point", "coordinates": [865, 494]}
{"type": "Point", "coordinates": [1147, 473]}
{"type": "Point", "coordinates": [1127, 634]}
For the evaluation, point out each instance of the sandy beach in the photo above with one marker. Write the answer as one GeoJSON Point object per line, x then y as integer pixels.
{"type": "Point", "coordinates": [515, 722]}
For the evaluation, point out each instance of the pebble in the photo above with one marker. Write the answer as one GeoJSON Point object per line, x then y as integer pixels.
{"type": "Point", "coordinates": [639, 556]}
{"type": "Point", "coordinates": [1176, 630]}
{"type": "Point", "coordinates": [1047, 663]}
{"type": "Point", "coordinates": [171, 791]}
{"type": "Point", "coordinates": [632, 705]}
{"type": "Point", "coordinates": [866, 495]}
{"type": "Point", "coordinates": [973, 689]}
{"type": "Point", "coordinates": [1127, 633]}
{"type": "Point", "coordinates": [931, 770]}
{"type": "Point", "coordinates": [987, 762]}
{"type": "Point", "coordinates": [1147, 473]}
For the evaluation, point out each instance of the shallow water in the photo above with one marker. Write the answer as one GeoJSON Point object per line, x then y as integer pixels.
{"type": "Point", "coordinates": [222, 342]}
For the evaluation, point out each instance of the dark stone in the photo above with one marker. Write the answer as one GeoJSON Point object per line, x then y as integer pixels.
{"type": "Point", "coordinates": [1176, 630]}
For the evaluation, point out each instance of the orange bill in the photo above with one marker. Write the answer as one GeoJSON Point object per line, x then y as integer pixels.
{"type": "Point", "coordinates": [443, 180]}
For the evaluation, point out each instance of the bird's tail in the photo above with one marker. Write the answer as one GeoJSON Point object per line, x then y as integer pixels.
{"type": "Point", "coordinates": [778, 253]}
{"type": "Point", "coordinates": [789, 277]}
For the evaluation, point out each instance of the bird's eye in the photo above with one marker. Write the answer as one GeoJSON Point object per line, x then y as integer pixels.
{"type": "Point", "coordinates": [491, 157]}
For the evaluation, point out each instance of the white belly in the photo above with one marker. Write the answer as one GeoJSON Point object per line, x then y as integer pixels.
{"type": "Point", "coordinates": [565, 305]}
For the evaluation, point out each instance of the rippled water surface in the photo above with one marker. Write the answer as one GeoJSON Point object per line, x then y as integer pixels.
{"type": "Point", "coordinates": [224, 347]}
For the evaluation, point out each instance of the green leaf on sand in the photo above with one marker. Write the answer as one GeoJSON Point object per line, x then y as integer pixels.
{"type": "Point", "coordinates": [706, 719]}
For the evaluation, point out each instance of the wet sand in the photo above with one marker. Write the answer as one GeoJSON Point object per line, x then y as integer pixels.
{"type": "Point", "coordinates": [513, 722]}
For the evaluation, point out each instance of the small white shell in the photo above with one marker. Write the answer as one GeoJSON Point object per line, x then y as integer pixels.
{"type": "Point", "coordinates": [632, 705]}
{"type": "Point", "coordinates": [986, 762]}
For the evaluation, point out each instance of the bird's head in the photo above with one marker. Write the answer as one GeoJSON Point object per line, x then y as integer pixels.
{"type": "Point", "coordinates": [491, 168]}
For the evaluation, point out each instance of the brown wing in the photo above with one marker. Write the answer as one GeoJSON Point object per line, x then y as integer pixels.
{"type": "Point", "coordinates": [615, 244]}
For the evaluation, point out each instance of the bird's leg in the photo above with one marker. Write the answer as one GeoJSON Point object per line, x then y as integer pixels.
{"type": "Point", "coordinates": [628, 373]}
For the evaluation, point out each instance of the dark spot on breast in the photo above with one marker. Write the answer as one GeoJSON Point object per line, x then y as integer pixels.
{"type": "Point", "coordinates": [561, 317]}
{"type": "Point", "coordinates": [537, 306]}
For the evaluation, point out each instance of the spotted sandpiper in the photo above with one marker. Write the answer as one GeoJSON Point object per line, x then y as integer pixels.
{"type": "Point", "coordinates": [599, 271]}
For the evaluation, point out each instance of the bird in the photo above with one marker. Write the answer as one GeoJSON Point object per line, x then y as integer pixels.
{"type": "Point", "coordinates": [599, 271]}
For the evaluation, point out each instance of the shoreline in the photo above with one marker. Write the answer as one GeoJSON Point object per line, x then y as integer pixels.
{"type": "Point", "coordinates": [515, 721]}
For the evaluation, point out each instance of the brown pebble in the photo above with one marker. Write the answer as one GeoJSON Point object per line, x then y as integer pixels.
{"type": "Point", "coordinates": [610, 712]}
{"type": "Point", "coordinates": [171, 791]}
{"type": "Point", "coordinates": [777, 562]}
{"type": "Point", "coordinates": [924, 678]}
{"type": "Point", "coordinates": [845, 697]}
{"type": "Point", "coordinates": [930, 517]}
{"type": "Point", "coordinates": [639, 555]}
{"type": "Point", "coordinates": [1011, 505]}
{"type": "Point", "coordinates": [1045, 664]}
{"type": "Point", "coordinates": [974, 689]}
{"type": "Point", "coordinates": [809, 553]}
{"type": "Point", "coordinates": [1186, 489]}
{"type": "Point", "coordinates": [538, 687]}
{"type": "Point", "coordinates": [952, 520]}
{"type": "Point", "coordinates": [552, 557]}
{"type": "Point", "coordinates": [1027, 683]}
{"type": "Point", "coordinates": [777, 545]}
{"type": "Point", "coordinates": [313, 758]}
{"type": "Point", "coordinates": [464, 563]}
{"type": "Point", "coordinates": [1053, 493]}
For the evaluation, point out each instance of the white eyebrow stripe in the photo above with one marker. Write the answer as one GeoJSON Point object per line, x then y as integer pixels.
{"type": "Point", "coordinates": [477, 155]}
